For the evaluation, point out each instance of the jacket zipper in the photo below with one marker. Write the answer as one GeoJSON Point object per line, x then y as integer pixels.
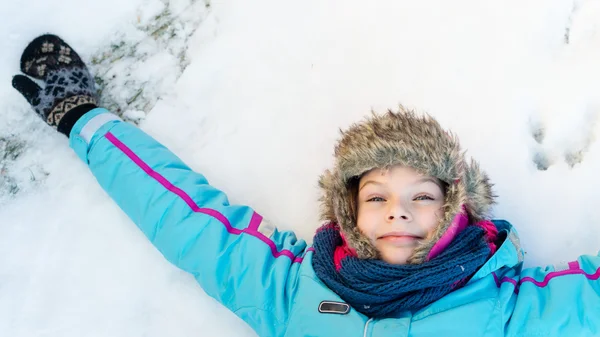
{"type": "Point", "coordinates": [367, 327]}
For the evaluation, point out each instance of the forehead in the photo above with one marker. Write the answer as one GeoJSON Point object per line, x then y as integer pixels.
{"type": "Point", "coordinates": [396, 171]}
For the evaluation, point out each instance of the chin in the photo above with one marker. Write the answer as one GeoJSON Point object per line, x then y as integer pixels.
{"type": "Point", "coordinates": [399, 256]}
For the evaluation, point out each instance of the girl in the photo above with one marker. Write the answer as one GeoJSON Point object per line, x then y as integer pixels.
{"type": "Point", "coordinates": [407, 249]}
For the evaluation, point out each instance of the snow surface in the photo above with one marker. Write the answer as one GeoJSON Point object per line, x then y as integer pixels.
{"type": "Point", "coordinates": [255, 105]}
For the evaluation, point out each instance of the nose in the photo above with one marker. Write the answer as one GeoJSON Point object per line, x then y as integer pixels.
{"type": "Point", "coordinates": [397, 211]}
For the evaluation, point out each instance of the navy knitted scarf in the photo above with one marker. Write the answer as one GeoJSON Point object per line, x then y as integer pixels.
{"type": "Point", "coordinates": [379, 289]}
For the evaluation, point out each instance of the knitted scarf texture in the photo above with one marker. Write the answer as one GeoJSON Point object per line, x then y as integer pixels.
{"type": "Point", "coordinates": [379, 289]}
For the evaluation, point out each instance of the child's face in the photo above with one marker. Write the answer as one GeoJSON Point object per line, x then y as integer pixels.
{"type": "Point", "coordinates": [396, 208]}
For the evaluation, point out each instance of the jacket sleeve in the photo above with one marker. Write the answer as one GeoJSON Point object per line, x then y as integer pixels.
{"type": "Point", "coordinates": [557, 301]}
{"type": "Point", "coordinates": [236, 256]}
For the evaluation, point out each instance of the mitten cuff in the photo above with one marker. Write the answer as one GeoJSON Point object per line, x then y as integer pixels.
{"type": "Point", "coordinates": [65, 106]}
{"type": "Point", "coordinates": [69, 119]}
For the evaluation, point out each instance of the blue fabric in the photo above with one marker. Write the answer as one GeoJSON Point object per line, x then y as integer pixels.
{"type": "Point", "coordinates": [279, 294]}
{"type": "Point", "coordinates": [77, 143]}
{"type": "Point", "coordinates": [379, 289]}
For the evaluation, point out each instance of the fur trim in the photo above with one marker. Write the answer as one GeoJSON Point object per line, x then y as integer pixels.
{"type": "Point", "coordinates": [403, 138]}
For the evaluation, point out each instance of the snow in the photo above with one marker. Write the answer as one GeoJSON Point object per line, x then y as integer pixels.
{"type": "Point", "coordinates": [255, 105]}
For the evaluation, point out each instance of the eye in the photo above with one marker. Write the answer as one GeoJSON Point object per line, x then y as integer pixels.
{"type": "Point", "coordinates": [376, 199]}
{"type": "Point", "coordinates": [423, 197]}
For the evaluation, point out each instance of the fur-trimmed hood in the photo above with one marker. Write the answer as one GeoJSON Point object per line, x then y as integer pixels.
{"type": "Point", "coordinates": [403, 138]}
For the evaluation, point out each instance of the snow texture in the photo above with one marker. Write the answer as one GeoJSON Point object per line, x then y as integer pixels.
{"type": "Point", "coordinates": [251, 94]}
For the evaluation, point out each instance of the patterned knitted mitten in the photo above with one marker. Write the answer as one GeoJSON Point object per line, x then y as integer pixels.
{"type": "Point", "coordinates": [68, 91]}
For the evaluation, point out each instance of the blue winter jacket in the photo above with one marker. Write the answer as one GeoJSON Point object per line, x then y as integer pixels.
{"type": "Point", "coordinates": [266, 276]}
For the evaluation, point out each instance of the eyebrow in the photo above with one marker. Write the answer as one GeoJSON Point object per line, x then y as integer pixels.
{"type": "Point", "coordinates": [369, 182]}
{"type": "Point", "coordinates": [426, 179]}
{"type": "Point", "coordinates": [420, 181]}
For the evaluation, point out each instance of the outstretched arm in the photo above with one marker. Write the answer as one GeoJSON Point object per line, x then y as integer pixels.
{"type": "Point", "coordinates": [557, 301]}
{"type": "Point", "coordinates": [232, 252]}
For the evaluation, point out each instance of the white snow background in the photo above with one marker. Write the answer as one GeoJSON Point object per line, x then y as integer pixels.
{"type": "Point", "coordinates": [257, 110]}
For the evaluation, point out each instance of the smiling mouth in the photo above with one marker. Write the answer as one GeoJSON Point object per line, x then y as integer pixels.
{"type": "Point", "coordinates": [400, 238]}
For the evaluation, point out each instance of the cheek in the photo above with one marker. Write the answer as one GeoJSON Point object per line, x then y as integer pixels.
{"type": "Point", "coordinates": [366, 222]}
{"type": "Point", "coordinates": [430, 218]}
